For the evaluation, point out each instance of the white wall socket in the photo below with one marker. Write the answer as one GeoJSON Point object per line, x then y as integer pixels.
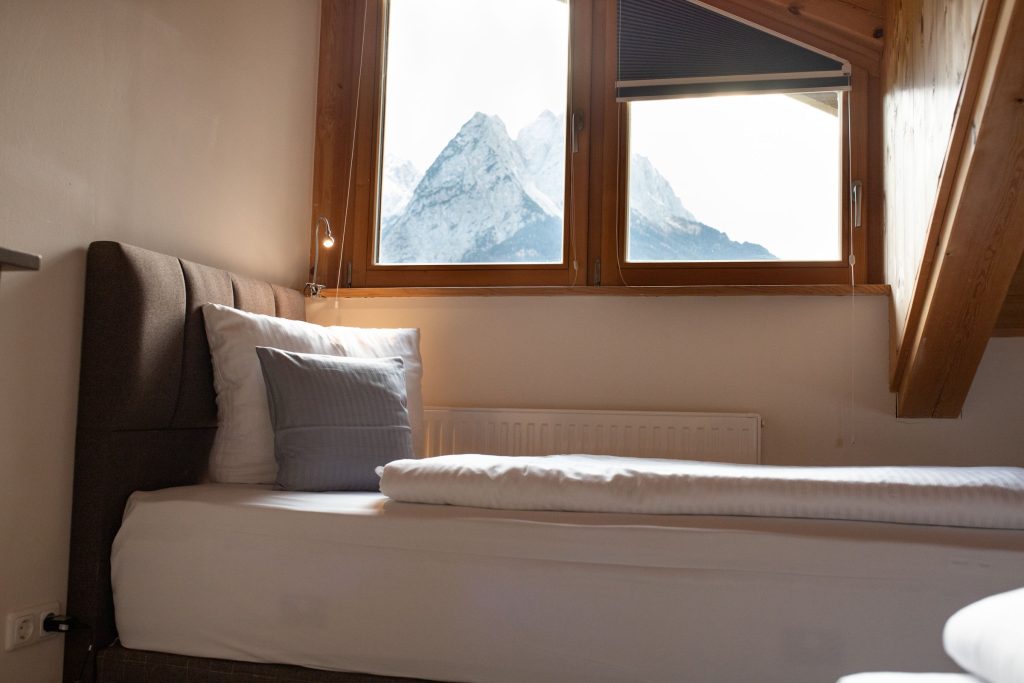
{"type": "Point", "coordinates": [25, 626]}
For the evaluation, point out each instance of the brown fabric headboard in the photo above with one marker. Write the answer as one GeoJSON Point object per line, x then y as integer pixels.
{"type": "Point", "coordinates": [146, 404]}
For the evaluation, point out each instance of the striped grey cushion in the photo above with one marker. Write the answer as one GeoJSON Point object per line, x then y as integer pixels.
{"type": "Point", "coordinates": [335, 418]}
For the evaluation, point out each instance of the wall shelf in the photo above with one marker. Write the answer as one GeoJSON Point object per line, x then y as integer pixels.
{"type": "Point", "coordinates": [18, 260]}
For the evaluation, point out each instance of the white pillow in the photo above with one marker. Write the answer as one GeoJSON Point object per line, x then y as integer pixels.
{"type": "Point", "coordinates": [987, 637]}
{"type": "Point", "coordinates": [243, 449]}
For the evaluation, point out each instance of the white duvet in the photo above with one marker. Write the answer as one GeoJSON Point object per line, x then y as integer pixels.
{"type": "Point", "coordinates": [989, 497]}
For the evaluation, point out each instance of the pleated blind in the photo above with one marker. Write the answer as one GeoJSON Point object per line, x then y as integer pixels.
{"type": "Point", "coordinates": [677, 48]}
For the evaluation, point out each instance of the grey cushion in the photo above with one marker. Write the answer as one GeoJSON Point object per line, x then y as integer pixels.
{"type": "Point", "coordinates": [335, 419]}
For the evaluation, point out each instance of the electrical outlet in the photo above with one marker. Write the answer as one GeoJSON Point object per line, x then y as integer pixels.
{"type": "Point", "coordinates": [25, 627]}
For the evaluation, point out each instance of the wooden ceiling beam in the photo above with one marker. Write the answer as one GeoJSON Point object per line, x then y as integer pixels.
{"type": "Point", "coordinates": [981, 240]}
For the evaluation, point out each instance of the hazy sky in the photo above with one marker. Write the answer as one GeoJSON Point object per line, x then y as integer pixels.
{"type": "Point", "coordinates": [762, 168]}
{"type": "Point", "coordinates": [443, 68]}
{"type": "Point", "coordinates": [739, 164]}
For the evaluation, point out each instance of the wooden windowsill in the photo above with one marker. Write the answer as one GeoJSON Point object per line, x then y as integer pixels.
{"type": "Point", "coordinates": [695, 290]}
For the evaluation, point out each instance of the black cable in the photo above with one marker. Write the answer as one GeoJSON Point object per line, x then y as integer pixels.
{"type": "Point", "coordinates": [63, 623]}
{"type": "Point", "coordinates": [90, 657]}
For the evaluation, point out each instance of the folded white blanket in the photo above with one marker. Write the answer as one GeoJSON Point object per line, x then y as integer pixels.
{"type": "Point", "coordinates": [990, 497]}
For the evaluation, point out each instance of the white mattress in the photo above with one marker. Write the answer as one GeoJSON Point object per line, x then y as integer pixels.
{"type": "Point", "coordinates": [987, 497]}
{"type": "Point", "coordinates": [352, 581]}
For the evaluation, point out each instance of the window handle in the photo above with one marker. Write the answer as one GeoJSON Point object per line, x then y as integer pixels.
{"type": "Point", "coordinates": [577, 128]}
{"type": "Point", "coordinates": [856, 199]}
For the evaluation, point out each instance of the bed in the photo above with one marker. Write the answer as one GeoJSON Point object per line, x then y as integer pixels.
{"type": "Point", "coordinates": [443, 592]}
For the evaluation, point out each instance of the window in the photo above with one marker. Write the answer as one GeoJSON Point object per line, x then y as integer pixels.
{"type": "Point", "coordinates": [583, 142]}
{"type": "Point", "coordinates": [473, 164]}
{"type": "Point", "coordinates": [735, 178]}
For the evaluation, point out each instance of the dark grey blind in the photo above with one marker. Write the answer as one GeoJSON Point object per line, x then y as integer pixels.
{"type": "Point", "coordinates": [676, 48]}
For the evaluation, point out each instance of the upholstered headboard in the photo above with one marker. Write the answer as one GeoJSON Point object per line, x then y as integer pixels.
{"type": "Point", "coordinates": [146, 404]}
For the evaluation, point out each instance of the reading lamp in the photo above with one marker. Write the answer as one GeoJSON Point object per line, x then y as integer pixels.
{"type": "Point", "coordinates": [314, 288]}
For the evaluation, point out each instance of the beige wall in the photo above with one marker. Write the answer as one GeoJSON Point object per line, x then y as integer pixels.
{"type": "Point", "coordinates": [790, 359]}
{"type": "Point", "coordinates": [184, 127]}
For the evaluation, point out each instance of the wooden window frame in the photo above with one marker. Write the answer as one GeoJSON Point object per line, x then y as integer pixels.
{"type": "Point", "coordinates": [346, 173]}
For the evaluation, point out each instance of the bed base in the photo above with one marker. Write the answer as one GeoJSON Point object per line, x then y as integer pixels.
{"type": "Point", "coordinates": [118, 664]}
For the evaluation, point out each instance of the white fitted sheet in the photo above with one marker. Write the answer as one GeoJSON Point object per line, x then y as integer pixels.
{"type": "Point", "coordinates": [986, 497]}
{"type": "Point", "coordinates": [353, 581]}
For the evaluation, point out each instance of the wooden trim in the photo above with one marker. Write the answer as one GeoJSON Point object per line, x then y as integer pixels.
{"type": "Point", "coordinates": [980, 239]}
{"type": "Point", "coordinates": [342, 128]}
{"type": "Point", "coordinates": [699, 290]}
{"type": "Point", "coordinates": [714, 273]}
{"type": "Point", "coordinates": [486, 276]}
{"type": "Point", "coordinates": [18, 260]}
{"type": "Point", "coordinates": [976, 66]}
{"type": "Point", "coordinates": [874, 186]}
{"type": "Point", "coordinates": [577, 190]}
{"type": "Point", "coordinates": [859, 169]}
{"type": "Point", "coordinates": [368, 150]}
{"type": "Point", "coordinates": [605, 167]}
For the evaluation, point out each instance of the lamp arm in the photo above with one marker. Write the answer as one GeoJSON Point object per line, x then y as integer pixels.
{"type": "Point", "coordinates": [314, 288]}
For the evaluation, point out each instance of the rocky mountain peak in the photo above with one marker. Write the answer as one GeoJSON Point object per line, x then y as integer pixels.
{"type": "Point", "coordinates": [487, 198]}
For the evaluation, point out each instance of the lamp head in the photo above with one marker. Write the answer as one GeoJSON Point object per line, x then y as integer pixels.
{"type": "Point", "coordinates": [328, 240]}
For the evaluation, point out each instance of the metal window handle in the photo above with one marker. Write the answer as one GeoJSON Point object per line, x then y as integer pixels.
{"type": "Point", "coordinates": [856, 199]}
{"type": "Point", "coordinates": [577, 128]}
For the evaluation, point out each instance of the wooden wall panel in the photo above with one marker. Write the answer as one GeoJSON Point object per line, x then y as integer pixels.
{"type": "Point", "coordinates": [928, 45]}
{"type": "Point", "coordinates": [976, 245]}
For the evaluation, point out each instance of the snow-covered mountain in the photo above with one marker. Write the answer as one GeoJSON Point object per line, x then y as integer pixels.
{"type": "Point", "coordinates": [650, 195]}
{"type": "Point", "coordinates": [475, 204]}
{"type": "Point", "coordinates": [400, 178]}
{"type": "Point", "coordinates": [542, 146]}
{"type": "Point", "coordinates": [662, 229]}
{"type": "Point", "coordinates": [488, 198]}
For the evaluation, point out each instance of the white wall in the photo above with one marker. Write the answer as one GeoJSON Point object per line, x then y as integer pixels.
{"type": "Point", "coordinates": [184, 127]}
{"type": "Point", "coordinates": [790, 359]}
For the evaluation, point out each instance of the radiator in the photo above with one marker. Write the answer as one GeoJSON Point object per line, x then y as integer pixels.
{"type": "Point", "coordinates": [724, 437]}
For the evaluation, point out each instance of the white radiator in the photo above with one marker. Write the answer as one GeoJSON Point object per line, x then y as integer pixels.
{"type": "Point", "coordinates": [724, 437]}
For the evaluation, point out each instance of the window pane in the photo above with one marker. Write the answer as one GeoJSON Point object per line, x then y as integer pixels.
{"type": "Point", "coordinates": [474, 132]}
{"type": "Point", "coordinates": [735, 178]}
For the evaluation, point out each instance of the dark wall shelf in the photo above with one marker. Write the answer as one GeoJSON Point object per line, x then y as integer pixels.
{"type": "Point", "coordinates": [18, 260]}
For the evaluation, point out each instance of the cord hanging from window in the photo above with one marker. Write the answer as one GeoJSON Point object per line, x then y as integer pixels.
{"type": "Point", "coordinates": [854, 202]}
{"type": "Point", "coordinates": [352, 149]}
{"type": "Point", "coordinates": [618, 163]}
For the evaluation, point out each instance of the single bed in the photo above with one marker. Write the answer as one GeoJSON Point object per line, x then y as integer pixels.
{"type": "Point", "coordinates": [209, 576]}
